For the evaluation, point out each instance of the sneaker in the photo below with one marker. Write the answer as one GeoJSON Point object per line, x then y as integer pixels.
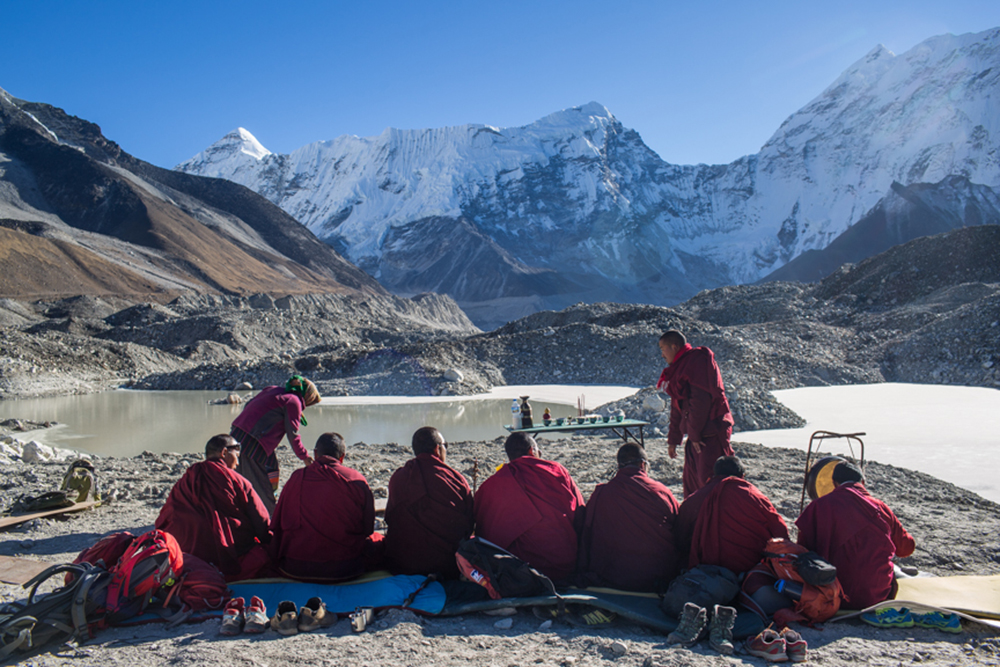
{"type": "Point", "coordinates": [889, 617]}
{"type": "Point", "coordinates": [286, 620]}
{"type": "Point", "coordinates": [256, 617]}
{"type": "Point", "coordinates": [691, 627]}
{"type": "Point", "coordinates": [720, 630]}
{"type": "Point", "coordinates": [314, 615]}
{"type": "Point", "coordinates": [232, 617]}
{"type": "Point", "coordinates": [768, 645]}
{"type": "Point", "coordinates": [592, 618]}
{"type": "Point", "coordinates": [938, 621]}
{"type": "Point", "coordinates": [795, 646]}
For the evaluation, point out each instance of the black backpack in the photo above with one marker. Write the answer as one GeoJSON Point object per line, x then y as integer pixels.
{"type": "Point", "coordinates": [500, 572]}
{"type": "Point", "coordinates": [705, 585]}
{"type": "Point", "coordinates": [72, 611]}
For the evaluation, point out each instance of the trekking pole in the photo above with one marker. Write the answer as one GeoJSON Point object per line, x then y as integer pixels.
{"type": "Point", "coordinates": [475, 474]}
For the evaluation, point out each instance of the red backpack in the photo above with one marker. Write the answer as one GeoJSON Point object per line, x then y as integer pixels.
{"type": "Point", "coordinates": [817, 602]}
{"type": "Point", "coordinates": [202, 586]}
{"type": "Point", "coordinates": [105, 553]}
{"type": "Point", "coordinates": [152, 563]}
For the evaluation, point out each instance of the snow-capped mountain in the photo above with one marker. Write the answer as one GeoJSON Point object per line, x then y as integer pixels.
{"type": "Point", "coordinates": [575, 207]}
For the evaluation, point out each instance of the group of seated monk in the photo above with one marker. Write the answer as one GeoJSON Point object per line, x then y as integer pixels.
{"type": "Point", "coordinates": [632, 534]}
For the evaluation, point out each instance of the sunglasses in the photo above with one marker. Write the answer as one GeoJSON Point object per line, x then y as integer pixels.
{"type": "Point", "coordinates": [232, 448]}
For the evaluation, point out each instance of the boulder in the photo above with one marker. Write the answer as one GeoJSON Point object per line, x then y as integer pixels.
{"type": "Point", "coordinates": [453, 375]}
{"type": "Point", "coordinates": [36, 452]}
{"type": "Point", "coordinates": [653, 402]}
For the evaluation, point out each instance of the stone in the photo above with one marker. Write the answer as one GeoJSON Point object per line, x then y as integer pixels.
{"type": "Point", "coordinates": [36, 452]}
{"type": "Point", "coordinates": [618, 648]}
{"type": "Point", "coordinates": [545, 625]}
{"type": "Point", "coordinates": [453, 375]}
{"type": "Point", "coordinates": [504, 624]}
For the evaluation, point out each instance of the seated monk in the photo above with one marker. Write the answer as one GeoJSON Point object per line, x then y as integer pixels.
{"type": "Point", "coordinates": [628, 534]}
{"type": "Point", "coordinates": [216, 515]}
{"type": "Point", "coordinates": [532, 508]}
{"type": "Point", "coordinates": [728, 521]}
{"type": "Point", "coordinates": [429, 510]}
{"type": "Point", "coordinates": [324, 521]}
{"type": "Point", "coordinates": [858, 534]}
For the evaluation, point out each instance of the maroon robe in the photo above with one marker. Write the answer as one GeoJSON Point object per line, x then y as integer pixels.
{"type": "Point", "coordinates": [531, 507]}
{"type": "Point", "coordinates": [216, 515]}
{"type": "Point", "coordinates": [700, 409]}
{"type": "Point", "coordinates": [428, 513]}
{"type": "Point", "coordinates": [859, 535]}
{"type": "Point", "coordinates": [323, 523]}
{"type": "Point", "coordinates": [628, 534]}
{"type": "Point", "coordinates": [733, 524]}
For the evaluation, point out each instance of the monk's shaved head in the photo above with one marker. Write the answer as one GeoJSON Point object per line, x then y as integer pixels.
{"type": "Point", "coordinates": [331, 444]}
{"type": "Point", "coordinates": [518, 445]}
{"type": "Point", "coordinates": [674, 337]}
{"type": "Point", "coordinates": [728, 466]}
{"type": "Point", "coordinates": [426, 440]}
{"type": "Point", "coordinates": [631, 454]}
{"type": "Point", "coordinates": [847, 472]}
{"type": "Point", "coordinates": [214, 447]}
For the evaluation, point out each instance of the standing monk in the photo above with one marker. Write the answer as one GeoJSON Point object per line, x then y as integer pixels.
{"type": "Point", "coordinates": [698, 408]}
{"type": "Point", "coordinates": [274, 413]}
{"type": "Point", "coordinates": [429, 510]}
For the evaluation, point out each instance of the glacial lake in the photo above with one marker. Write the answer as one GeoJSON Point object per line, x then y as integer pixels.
{"type": "Point", "coordinates": [126, 423]}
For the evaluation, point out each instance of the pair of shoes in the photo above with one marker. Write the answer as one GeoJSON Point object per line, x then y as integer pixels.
{"type": "Point", "coordinates": [796, 647]}
{"type": "Point", "coordinates": [691, 627]}
{"type": "Point", "coordinates": [594, 618]}
{"type": "Point", "coordinates": [256, 617]}
{"type": "Point", "coordinates": [720, 630]}
{"type": "Point", "coordinates": [889, 617]}
{"type": "Point", "coordinates": [286, 620]}
{"type": "Point", "coordinates": [938, 621]}
{"type": "Point", "coordinates": [232, 617]}
{"type": "Point", "coordinates": [314, 615]}
{"type": "Point", "coordinates": [768, 645]}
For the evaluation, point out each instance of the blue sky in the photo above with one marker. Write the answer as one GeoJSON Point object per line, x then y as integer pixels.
{"type": "Point", "coordinates": [701, 82]}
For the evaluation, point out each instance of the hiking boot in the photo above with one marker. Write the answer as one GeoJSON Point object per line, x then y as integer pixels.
{"type": "Point", "coordinates": [314, 615]}
{"type": "Point", "coordinates": [889, 617]}
{"type": "Point", "coordinates": [286, 620]}
{"type": "Point", "coordinates": [795, 645]}
{"type": "Point", "coordinates": [256, 617]}
{"type": "Point", "coordinates": [720, 631]}
{"type": "Point", "coordinates": [938, 621]}
{"type": "Point", "coordinates": [768, 645]}
{"type": "Point", "coordinates": [691, 627]}
{"type": "Point", "coordinates": [232, 617]}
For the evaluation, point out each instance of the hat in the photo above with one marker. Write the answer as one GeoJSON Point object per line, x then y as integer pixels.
{"type": "Point", "coordinates": [304, 388]}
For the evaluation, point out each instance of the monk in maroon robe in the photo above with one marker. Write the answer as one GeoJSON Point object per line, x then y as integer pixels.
{"type": "Point", "coordinates": [532, 508]}
{"type": "Point", "coordinates": [628, 534]}
{"type": "Point", "coordinates": [858, 534]}
{"type": "Point", "coordinates": [324, 522]}
{"type": "Point", "coordinates": [215, 514]}
{"type": "Point", "coordinates": [728, 521]}
{"type": "Point", "coordinates": [429, 510]}
{"type": "Point", "coordinates": [698, 408]}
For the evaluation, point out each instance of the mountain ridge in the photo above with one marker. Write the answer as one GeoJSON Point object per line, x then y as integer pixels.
{"type": "Point", "coordinates": [576, 192]}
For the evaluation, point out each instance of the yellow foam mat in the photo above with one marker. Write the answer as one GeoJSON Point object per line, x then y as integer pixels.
{"type": "Point", "coordinates": [975, 595]}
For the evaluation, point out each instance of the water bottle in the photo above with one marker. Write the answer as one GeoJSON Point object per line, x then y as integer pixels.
{"type": "Point", "coordinates": [790, 589]}
{"type": "Point", "coordinates": [515, 412]}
